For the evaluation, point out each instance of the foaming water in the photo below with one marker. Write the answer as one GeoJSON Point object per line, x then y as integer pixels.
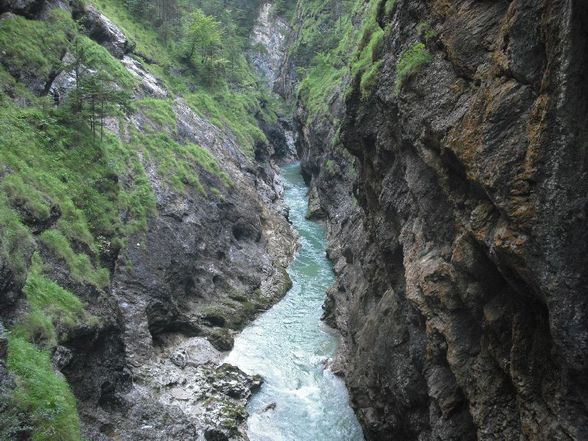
{"type": "Point", "coordinates": [289, 345]}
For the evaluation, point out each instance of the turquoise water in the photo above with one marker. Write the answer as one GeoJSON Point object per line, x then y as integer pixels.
{"type": "Point", "coordinates": [288, 346]}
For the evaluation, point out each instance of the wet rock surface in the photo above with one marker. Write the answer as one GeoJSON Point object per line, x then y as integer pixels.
{"type": "Point", "coordinates": [461, 269]}
{"type": "Point", "coordinates": [197, 397]}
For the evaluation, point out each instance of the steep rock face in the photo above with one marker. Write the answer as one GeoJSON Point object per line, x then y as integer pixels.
{"type": "Point", "coordinates": [461, 282]}
{"type": "Point", "coordinates": [205, 267]}
{"type": "Point", "coordinates": [24, 7]}
{"type": "Point", "coordinates": [212, 257]}
{"type": "Point", "coordinates": [269, 34]}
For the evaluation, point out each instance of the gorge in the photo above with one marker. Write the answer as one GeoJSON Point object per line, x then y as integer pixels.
{"type": "Point", "coordinates": [163, 267]}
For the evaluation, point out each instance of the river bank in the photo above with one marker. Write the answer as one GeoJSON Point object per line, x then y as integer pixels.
{"type": "Point", "coordinates": [291, 348]}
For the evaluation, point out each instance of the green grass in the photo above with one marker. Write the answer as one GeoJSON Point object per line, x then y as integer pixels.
{"type": "Point", "coordinates": [160, 111]}
{"type": "Point", "coordinates": [59, 304]}
{"type": "Point", "coordinates": [207, 161]}
{"type": "Point", "coordinates": [329, 67]}
{"type": "Point", "coordinates": [97, 57]}
{"type": "Point", "coordinates": [26, 197]}
{"type": "Point", "coordinates": [319, 86]}
{"type": "Point", "coordinates": [80, 266]}
{"type": "Point", "coordinates": [347, 47]}
{"type": "Point", "coordinates": [389, 7]}
{"type": "Point", "coordinates": [41, 394]}
{"type": "Point", "coordinates": [148, 42]}
{"type": "Point", "coordinates": [38, 328]}
{"type": "Point", "coordinates": [330, 166]}
{"type": "Point", "coordinates": [50, 307]}
{"type": "Point", "coordinates": [92, 183]}
{"type": "Point", "coordinates": [230, 100]}
{"type": "Point", "coordinates": [366, 61]}
{"type": "Point", "coordinates": [35, 47]}
{"type": "Point", "coordinates": [369, 77]}
{"type": "Point", "coordinates": [16, 240]}
{"type": "Point", "coordinates": [10, 87]}
{"type": "Point", "coordinates": [232, 110]}
{"type": "Point", "coordinates": [178, 164]}
{"type": "Point", "coordinates": [411, 60]}
{"type": "Point", "coordinates": [426, 31]}
{"type": "Point", "coordinates": [49, 159]}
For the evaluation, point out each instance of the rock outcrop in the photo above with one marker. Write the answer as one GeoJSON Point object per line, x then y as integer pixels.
{"type": "Point", "coordinates": [102, 30]}
{"type": "Point", "coordinates": [462, 275]}
{"type": "Point", "coordinates": [22, 7]}
{"type": "Point", "coordinates": [269, 39]}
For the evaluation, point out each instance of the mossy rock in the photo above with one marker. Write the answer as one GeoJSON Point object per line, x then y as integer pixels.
{"type": "Point", "coordinates": [221, 339]}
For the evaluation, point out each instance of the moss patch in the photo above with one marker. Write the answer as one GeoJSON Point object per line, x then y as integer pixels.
{"type": "Point", "coordinates": [411, 60]}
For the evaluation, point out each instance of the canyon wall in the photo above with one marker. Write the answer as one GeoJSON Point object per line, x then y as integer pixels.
{"type": "Point", "coordinates": [459, 232]}
{"type": "Point", "coordinates": [144, 360]}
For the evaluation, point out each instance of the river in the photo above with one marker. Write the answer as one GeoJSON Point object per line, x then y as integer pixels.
{"type": "Point", "coordinates": [288, 346]}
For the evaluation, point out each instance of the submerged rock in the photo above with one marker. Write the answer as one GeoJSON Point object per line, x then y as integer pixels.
{"type": "Point", "coordinates": [271, 406]}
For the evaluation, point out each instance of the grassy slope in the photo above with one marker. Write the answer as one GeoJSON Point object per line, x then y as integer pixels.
{"type": "Point", "coordinates": [232, 102]}
{"type": "Point", "coordinates": [100, 187]}
{"type": "Point", "coordinates": [344, 48]}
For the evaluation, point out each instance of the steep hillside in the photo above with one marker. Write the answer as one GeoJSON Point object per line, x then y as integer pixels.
{"type": "Point", "coordinates": [459, 234]}
{"type": "Point", "coordinates": [141, 219]}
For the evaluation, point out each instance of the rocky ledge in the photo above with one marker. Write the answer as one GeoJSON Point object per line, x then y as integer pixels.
{"type": "Point", "coordinates": [187, 392]}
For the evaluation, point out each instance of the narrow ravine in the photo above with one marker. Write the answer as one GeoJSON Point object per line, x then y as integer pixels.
{"type": "Point", "coordinates": [290, 346]}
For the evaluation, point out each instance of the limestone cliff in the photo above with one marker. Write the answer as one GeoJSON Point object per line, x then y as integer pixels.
{"type": "Point", "coordinates": [462, 274]}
